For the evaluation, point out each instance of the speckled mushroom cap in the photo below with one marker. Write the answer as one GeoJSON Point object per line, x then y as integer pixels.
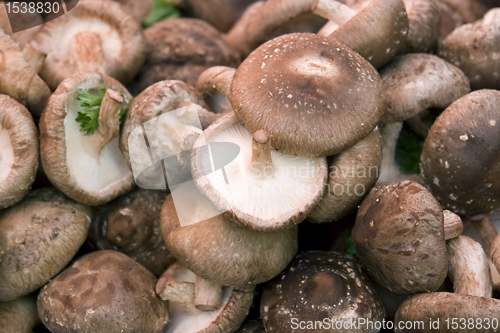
{"type": "Point", "coordinates": [219, 251]}
{"type": "Point", "coordinates": [68, 157]}
{"type": "Point", "coordinates": [18, 151]}
{"type": "Point", "coordinates": [19, 316]}
{"type": "Point", "coordinates": [399, 236]}
{"type": "Point", "coordinates": [474, 49]}
{"type": "Point", "coordinates": [19, 80]}
{"type": "Point", "coordinates": [351, 175]}
{"type": "Point", "coordinates": [235, 306]}
{"type": "Point", "coordinates": [443, 306]}
{"type": "Point", "coordinates": [314, 96]}
{"type": "Point", "coordinates": [131, 225]}
{"type": "Point", "coordinates": [38, 238]}
{"type": "Point", "coordinates": [461, 156]}
{"type": "Point", "coordinates": [417, 81]}
{"type": "Point", "coordinates": [424, 21]}
{"type": "Point", "coordinates": [181, 49]}
{"type": "Point", "coordinates": [318, 286]}
{"type": "Point", "coordinates": [104, 291]}
{"type": "Point", "coordinates": [94, 36]}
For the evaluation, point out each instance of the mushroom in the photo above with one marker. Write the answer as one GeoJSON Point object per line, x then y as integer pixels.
{"type": "Point", "coordinates": [450, 20]}
{"type": "Point", "coordinates": [351, 174]}
{"type": "Point", "coordinates": [453, 225]}
{"type": "Point", "coordinates": [18, 151]}
{"type": "Point", "coordinates": [19, 79]}
{"type": "Point", "coordinates": [424, 21]}
{"type": "Point", "coordinates": [218, 251]}
{"type": "Point", "coordinates": [26, 25]}
{"type": "Point", "coordinates": [95, 36]}
{"type": "Point", "coordinates": [473, 48]}
{"type": "Point", "coordinates": [262, 189]}
{"type": "Point", "coordinates": [179, 285]}
{"type": "Point", "coordinates": [39, 236]}
{"type": "Point", "coordinates": [104, 291]}
{"type": "Point", "coordinates": [131, 225]}
{"type": "Point", "coordinates": [469, 10]}
{"type": "Point", "coordinates": [139, 9]}
{"type": "Point", "coordinates": [320, 287]}
{"type": "Point", "coordinates": [19, 316]}
{"type": "Point", "coordinates": [79, 144]}
{"type": "Point", "coordinates": [399, 236]}
{"type": "Point", "coordinates": [495, 253]}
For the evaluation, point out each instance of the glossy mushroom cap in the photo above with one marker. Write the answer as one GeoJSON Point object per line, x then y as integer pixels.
{"type": "Point", "coordinates": [460, 157]}
{"type": "Point", "coordinates": [95, 36]}
{"type": "Point", "coordinates": [104, 291]}
{"type": "Point", "coordinates": [38, 238]}
{"type": "Point", "coordinates": [74, 162]}
{"type": "Point", "coordinates": [314, 96]}
{"type": "Point", "coordinates": [18, 151]}
{"type": "Point", "coordinates": [219, 251]}
{"type": "Point", "coordinates": [399, 236]}
{"type": "Point", "coordinates": [319, 286]}
{"type": "Point", "coordinates": [131, 225]}
{"type": "Point", "coordinates": [19, 316]}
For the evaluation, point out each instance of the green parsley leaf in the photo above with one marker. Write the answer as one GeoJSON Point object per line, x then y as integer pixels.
{"type": "Point", "coordinates": [408, 151]}
{"type": "Point", "coordinates": [349, 247]}
{"type": "Point", "coordinates": [161, 10]}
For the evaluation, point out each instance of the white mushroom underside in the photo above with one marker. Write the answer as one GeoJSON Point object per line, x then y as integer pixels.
{"type": "Point", "coordinates": [96, 175]}
{"type": "Point", "coordinates": [180, 321]}
{"type": "Point", "coordinates": [280, 194]}
{"type": "Point", "coordinates": [7, 158]}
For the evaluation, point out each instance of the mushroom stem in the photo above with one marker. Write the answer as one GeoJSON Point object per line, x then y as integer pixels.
{"type": "Point", "coordinates": [495, 253]}
{"type": "Point", "coordinates": [109, 118]}
{"type": "Point", "coordinates": [486, 231]}
{"type": "Point", "coordinates": [261, 154]}
{"type": "Point", "coordinates": [390, 134]}
{"type": "Point", "coordinates": [328, 29]}
{"type": "Point", "coordinates": [333, 10]}
{"type": "Point", "coordinates": [170, 289]}
{"type": "Point", "coordinates": [88, 55]}
{"type": "Point", "coordinates": [206, 117]}
{"type": "Point", "coordinates": [34, 57]}
{"type": "Point", "coordinates": [453, 225]}
{"type": "Point", "coordinates": [218, 77]}
{"type": "Point", "coordinates": [208, 295]}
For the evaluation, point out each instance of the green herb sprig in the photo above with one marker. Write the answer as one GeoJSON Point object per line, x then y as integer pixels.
{"type": "Point", "coordinates": [161, 10]}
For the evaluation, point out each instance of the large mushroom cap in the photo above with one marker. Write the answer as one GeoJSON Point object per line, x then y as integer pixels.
{"type": "Point", "coordinates": [94, 36]}
{"type": "Point", "coordinates": [399, 235]}
{"type": "Point", "coordinates": [19, 316]}
{"type": "Point", "coordinates": [320, 286]}
{"type": "Point", "coordinates": [71, 159]}
{"type": "Point", "coordinates": [104, 291]}
{"type": "Point", "coordinates": [38, 237]}
{"type": "Point", "coordinates": [18, 151]}
{"type": "Point", "coordinates": [461, 155]}
{"type": "Point", "coordinates": [313, 95]}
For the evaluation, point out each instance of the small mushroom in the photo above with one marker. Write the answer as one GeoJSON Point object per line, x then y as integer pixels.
{"type": "Point", "coordinates": [131, 225]}
{"type": "Point", "coordinates": [424, 21]}
{"type": "Point", "coordinates": [19, 316]}
{"type": "Point", "coordinates": [18, 151]}
{"type": "Point", "coordinates": [39, 236]}
{"type": "Point", "coordinates": [95, 36]}
{"type": "Point", "coordinates": [469, 10]}
{"type": "Point", "coordinates": [453, 225]}
{"type": "Point", "coordinates": [399, 236]}
{"type": "Point", "coordinates": [263, 190]}
{"type": "Point", "coordinates": [104, 291]}
{"type": "Point", "coordinates": [324, 287]}
{"type": "Point", "coordinates": [450, 20]}
{"type": "Point", "coordinates": [30, 23]}
{"type": "Point", "coordinates": [81, 157]}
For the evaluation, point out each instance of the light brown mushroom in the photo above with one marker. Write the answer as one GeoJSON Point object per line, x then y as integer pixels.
{"type": "Point", "coordinates": [453, 225]}
{"type": "Point", "coordinates": [424, 21]}
{"type": "Point", "coordinates": [26, 25]}
{"type": "Point", "coordinates": [19, 316]}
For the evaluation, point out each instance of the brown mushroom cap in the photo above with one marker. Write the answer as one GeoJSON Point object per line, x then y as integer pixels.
{"type": "Point", "coordinates": [399, 235]}
{"type": "Point", "coordinates": [221, 252]}
{"type": "Point", "coordinates": [131, 225]}
{"type": "Point", "coordinates": [19, 316]}
{"type": "Point", "coordinates": [18, 151]}
{"type": "Point", "coordinates": [474, 49]}
{"type": "Point", "coordinates": [104, 291]}
{"type": "Point", "coordinates": [69, 157]}
{"type": "Point", "coordinates": [111, 43]}
{"type": "Point", "coordinates": [38, 237]}
{"type": "Point", "coordinates": [318, 286]}
{"type": "Point", "coordinates": [424, 25]}
{"type": "Point", "coordinates": [32, 20]}
{"type": "Point", "coordinates": [469, 10]}
{"type": "Point", "coordinates": [313, 96]}
{"type": "Point", "coordinates": [461, 155]}
{"type": "Point", "coordinates": [139, 9]}
{"type": "Point", "coordinates": [181, 49]}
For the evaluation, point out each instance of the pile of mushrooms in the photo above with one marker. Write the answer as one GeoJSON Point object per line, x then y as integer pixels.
{"type": "Point", "coordinates": [164, 179]}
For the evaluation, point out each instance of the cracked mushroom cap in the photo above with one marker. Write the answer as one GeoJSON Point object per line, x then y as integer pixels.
{"type": "Point", "coordinates": [399, 236]}
{"type": "Point", "coordinates": [19, 316]}
{"type": "Point", "coordinates": [461, 155]}
{"type": "Point", "coordinates": [319, 286]}
{"type": "Point", "coordinates": [223, 253]}
{"type": "Point", "coordinates": [314, 96]}
{"type": "Point", "coordinates": [38, 238]}
{"type": "Point", "coordinates": [19, 80]}
{"type": "Point", "coordinates": [234, 307]}
{"type": "Point", "coordinates": [95, 36]}
{"type": "Point", "coordinates": [104, 291]}
{"type": "Point", "coordinates": [18, 151]}
{"type": "Point", "coordinates": [474, 49]}
{"type": "Point", "coordinates": [131, 225]}
{"type": "Point", "coordinates": [76, 163]}
{"type": "Point", "coordinates": [261, 189]}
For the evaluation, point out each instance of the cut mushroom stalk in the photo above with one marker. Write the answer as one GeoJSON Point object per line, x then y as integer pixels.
{"type": "Point", "coordinates": [334, 11]}
{"type": "Point", "coordinates": [109, 119]}
{"type": "Point", "coordinates": [261, 154]}
{"type": "Point", "coordinates": [453, 225]}
{"type": "Point", "coordinates": [34, 57]}
{"type": "Point", "coordinates": [87, 52]}
{"type": "Point", "coordinates": [218, 77]}
{"type": "Point", "coordinates": [208, 295]}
